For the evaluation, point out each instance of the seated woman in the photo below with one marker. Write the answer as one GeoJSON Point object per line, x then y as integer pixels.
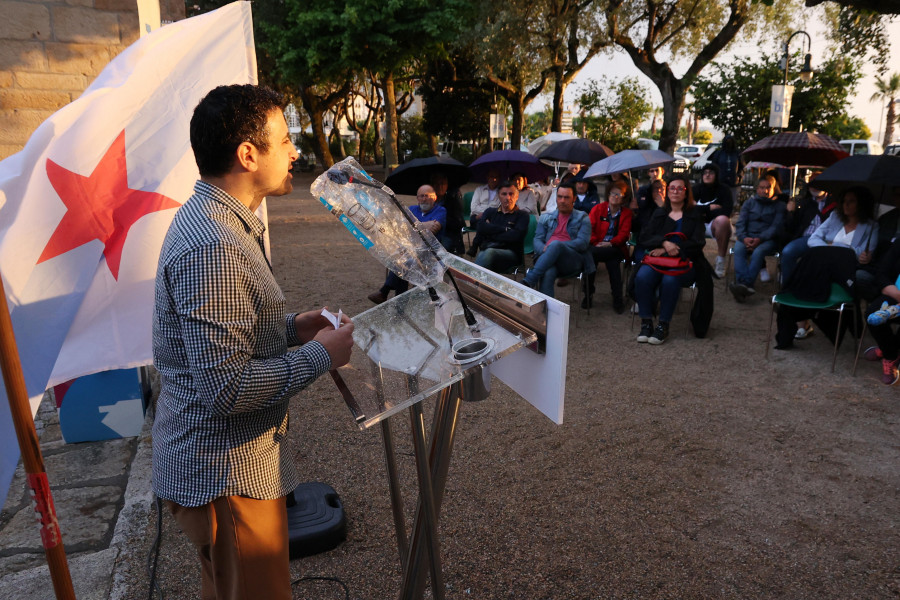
{"type": "Point", "coordinates": [758, 230]}
{"type": "Point", "coordinates": [528, 199]}
{"type": "Point", "coordinates": [852, 225]}
{"type": "Point", "coordinates": [886, 333]}
{"type": "Point", "coordinates": [676, 217]}
{"type": "Point", "coordinates": [610, 228]}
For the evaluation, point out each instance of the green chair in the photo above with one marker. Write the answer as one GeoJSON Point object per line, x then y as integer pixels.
{"type": "Point", "coordinates": [528, 246]}
{"type": "Point", "coordinates": [839, 300]}
{"type": "Point", "coordinates": [467, 215]}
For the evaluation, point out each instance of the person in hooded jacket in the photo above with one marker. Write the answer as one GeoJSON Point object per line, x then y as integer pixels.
{"type": "Point", "coordinates": [715, 203]}
{"type": "Point", "coordinates": [758, 229]}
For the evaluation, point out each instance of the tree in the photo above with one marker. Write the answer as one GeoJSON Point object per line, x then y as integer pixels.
{"type": "Point", "coordinates": [537, 124]}
{"type": "Point", "coordinates": [456, 103]}
{"type": "Point", "coordinates": [886, 7]}
{"type": "Point", "coordinates": [887, 88]}
{"type": "Point", "coordinates": [644, 28]}
{"type": "Point", "coordinates": [846, 127]}
{"type": "Point", "coordinates": [735, 97]}
{"type": "Point", "coordinates": [703, 137]}
{"type": "Point", "coordinates": [612, 111]}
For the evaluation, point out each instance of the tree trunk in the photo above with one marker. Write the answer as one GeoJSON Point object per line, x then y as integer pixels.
{"type": "Point", "coordinates": [673, 94]}
{"type": "Point", "coordinates": [889, 124]}
{"type": "Point", "coordinates": [518, 120]}
{"type": "Point", "coordinates": [559, 90]}
{"type": "Point", "coordinates": [432, 144]}
{"type": "Point", "coordinates": [390, 119]}
{"type": "Point", "coordinates": [316, 117]}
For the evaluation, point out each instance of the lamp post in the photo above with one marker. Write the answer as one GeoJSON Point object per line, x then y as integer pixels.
{"type": "Point", "coordinates": [780, 111]}
{"type": "Point", "coordinates": [806, 72]}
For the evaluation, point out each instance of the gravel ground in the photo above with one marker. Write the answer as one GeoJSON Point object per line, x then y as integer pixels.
{"type": "Point", "coordinates": [696, 469]}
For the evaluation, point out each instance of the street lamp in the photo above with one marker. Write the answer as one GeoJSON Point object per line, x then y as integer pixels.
{"type": "Point", "coordinates": [806, 72]}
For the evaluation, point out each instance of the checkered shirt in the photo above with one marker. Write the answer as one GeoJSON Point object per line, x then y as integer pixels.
{"type": "Point", "coordinates": [220, 343]}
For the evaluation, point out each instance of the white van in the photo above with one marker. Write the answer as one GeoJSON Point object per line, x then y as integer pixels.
{"type": "Point", "coordinates": [855, 147]}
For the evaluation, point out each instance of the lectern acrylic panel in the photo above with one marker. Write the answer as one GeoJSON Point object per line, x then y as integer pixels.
{"type": "Point", "coordinates": [405, 351]}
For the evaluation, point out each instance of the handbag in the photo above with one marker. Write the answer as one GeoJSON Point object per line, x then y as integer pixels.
{"type": "Point", "coordinates": [669, 265]}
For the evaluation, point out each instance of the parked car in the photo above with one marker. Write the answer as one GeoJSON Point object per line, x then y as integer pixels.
{"type": "Point", "coordinates": [691, 152]}
{"type": "Point", "coordinates": [681, 164]}
{"type": "Point", "coordinates": [893, 149]}
{"type": "Point", "coordinates": [855, 147]}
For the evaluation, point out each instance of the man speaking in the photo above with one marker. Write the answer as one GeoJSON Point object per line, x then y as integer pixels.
{"type": "Point", "coordinates": [221, 460]}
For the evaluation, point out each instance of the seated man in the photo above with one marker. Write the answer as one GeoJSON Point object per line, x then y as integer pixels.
{"type": "Point", "coordinates": [586, 197]}
{"type": "Point", "coordinates": [758, 229]}
{"type": "Point", "coordinates": [434, 218]}
{"type": "Point", "coordinates": [484, 197]}
{"type": "Point", "coordinates": [715, 203]}
{"type": "Point", "coordinates": [561, 243]}
{"type": "Point", "coordinates": [501, 232]}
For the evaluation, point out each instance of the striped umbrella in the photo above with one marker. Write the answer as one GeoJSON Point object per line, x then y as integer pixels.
{"type": "Point", "coordinates": [791, 148]}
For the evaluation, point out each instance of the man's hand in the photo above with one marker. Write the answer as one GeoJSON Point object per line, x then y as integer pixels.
{"type": "Point", "coordinates": [338, 342]}
{"type": "Point", "coordinates": [751, 243]}
{"type": "Point", "coordinates": [433, 226]}
{"type": "Point", "coordinates": [308, 324]}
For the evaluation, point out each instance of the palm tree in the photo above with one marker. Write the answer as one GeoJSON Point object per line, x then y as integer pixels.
{"type": "Point", "coordinates": [887, 89]}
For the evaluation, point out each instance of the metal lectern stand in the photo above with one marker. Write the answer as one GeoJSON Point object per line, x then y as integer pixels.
{"type": "Point", "coordinates": [413, 348]}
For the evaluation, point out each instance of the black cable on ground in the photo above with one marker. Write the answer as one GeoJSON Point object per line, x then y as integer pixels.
{"type": "Point", "coordinates": [335, 579]}
{"type": "Point", "coordinates": [153, 556]}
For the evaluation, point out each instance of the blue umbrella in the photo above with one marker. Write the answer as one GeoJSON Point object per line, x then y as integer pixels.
{"type": "Point", "coordinates": [629, 160]}
{"type": "Point", "coordinates": [506, 163]}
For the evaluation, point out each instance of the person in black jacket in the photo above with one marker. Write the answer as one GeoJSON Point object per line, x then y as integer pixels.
{"type": "Point", "coordinates": [501, 232]}
{"type": "Point", "coordinates": [678, 216]}
{"type": "Point", "coordinates": [716, 203]}
{"type": "Point", "coordinates": [804, 215]}
{"type": "Point", "coordinates": [451, 235]}
{"type": "Point", "coordinates": [886, 335]}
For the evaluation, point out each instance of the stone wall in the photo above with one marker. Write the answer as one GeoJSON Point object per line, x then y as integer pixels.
{"type": "Point", "coordinates": [51, 50]}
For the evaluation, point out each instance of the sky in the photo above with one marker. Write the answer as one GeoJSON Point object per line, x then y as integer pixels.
{"type": "Point", "coordinates": [618, 65]}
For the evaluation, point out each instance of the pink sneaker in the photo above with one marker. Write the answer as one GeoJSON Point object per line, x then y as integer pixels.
{"type": "Point", "coordinates": [872, 353]}
{"type": "Point", "coordinates": [890, 374]}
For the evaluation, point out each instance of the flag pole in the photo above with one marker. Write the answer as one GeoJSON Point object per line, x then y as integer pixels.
{"type": "Point", "coordinates": [16, 392]}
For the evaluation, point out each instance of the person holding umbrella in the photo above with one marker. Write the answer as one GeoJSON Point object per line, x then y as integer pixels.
{"type": "Point", "coordinates": [610, 229]}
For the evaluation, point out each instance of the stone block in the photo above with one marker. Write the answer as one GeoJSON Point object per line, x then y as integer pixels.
{"type": "Point", "coordinates": [22, 56]}
{"type": "Point", "coordinates": [85, 25]}
{"type": "Point", "coordinates": [90, 578]}
{"type": "Point", "coordinates": [91, 461]}
{"type": "Point", "coordinates": [79, 59]}
{"type": "Point", "coordinates": [86, 518]}
{"type": "Point", "coordinates": [40, 99]}
{"type": "Point", "coordinates": [24, 21]}
{"type": "Point", "coordinates": [129, 27]}
{"type": "Point", "coordinates": [6, 79]}
{"type": "Point", "coordinates": [16, 126]}
{"type": "Point", "coordinates": [123, 5]}
{"type": "Point", "coordinates": [51, 81]}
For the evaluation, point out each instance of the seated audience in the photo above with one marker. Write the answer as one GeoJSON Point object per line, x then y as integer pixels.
{"type": "Point", "coordinates": [676, 229]}
{"type": "Point", "coordinates": [484, 197]}
{"type": "Point", "coordinates": [501, 232]}
{"type": "Point", "coordinates": [586, 197]}
{"type": "Point", "coordinates": [716, 203]}
{"type": "Point", "coordinates": [450, 236]}
{"type": "Point", "coordinates": [886, 331]}
{"type": "Point", "coordinates": [528, 198]}
{"type": "Point", "coordinates": [561, 243]}
{"type": "Point", "coordinates": [758, 229]}
{"type": "Point", "coordinates": [610, 229]}
{"type": "Point", "coordinates": [434, 218]}
{"type": "Point", "coordinates": [804, 215]}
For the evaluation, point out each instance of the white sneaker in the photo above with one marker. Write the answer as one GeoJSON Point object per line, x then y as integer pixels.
{"type": "Point", "coordinates": [764, 276]}
{"type": "Point", "coordinates": [720, 267]}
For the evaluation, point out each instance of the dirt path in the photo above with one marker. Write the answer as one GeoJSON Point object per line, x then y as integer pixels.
{"type": "Point", "coordinates": [695, 469]}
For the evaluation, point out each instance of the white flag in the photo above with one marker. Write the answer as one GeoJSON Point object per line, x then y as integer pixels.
{"type": "Point", "coordinates": [85, 206]}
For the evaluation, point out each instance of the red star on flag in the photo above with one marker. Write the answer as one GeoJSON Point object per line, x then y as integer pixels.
{"type": "Point", "coordinates": [100, 206]}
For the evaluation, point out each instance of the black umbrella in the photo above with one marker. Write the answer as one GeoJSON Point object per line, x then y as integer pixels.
{"type": "Point", "coordinates": [880, 173]}
{"type": "Point", "coordinates": [580, 151]}
{"type": "Point", "coordinates": [407, 178]}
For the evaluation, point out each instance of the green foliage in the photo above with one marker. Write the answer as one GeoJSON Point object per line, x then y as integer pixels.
{"type": "Point", "coordinates": [846, 127]}
{"type": "Point", "coordinates": [859, 34]}
{"type": "Point", "coordinates": [612, 111]}
{"type": "Point", "coordinates": [457, 103]}
{"type": "Point", "coordinates": [703, 137]}
{"type": "Point", "coordinates": [537, 124]}
{"type": "Point", "coordinates": [735, 98]}
{"type": "Point", "coordinates": [413, 139]}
